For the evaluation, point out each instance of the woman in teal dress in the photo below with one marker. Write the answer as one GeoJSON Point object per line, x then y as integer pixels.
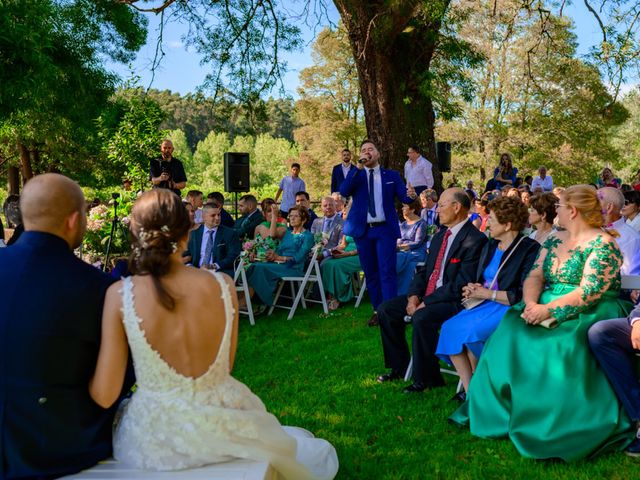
{"type": "Point", "coordinates": [540, 386]}
{"type": "Point", "coordinates": [287, 260]}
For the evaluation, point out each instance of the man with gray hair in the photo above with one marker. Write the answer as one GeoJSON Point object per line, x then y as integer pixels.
{"type": "Point", "coordinates": [329, 226]}
{"type": "Point", "coordinates": [628, 240]}
{"type": "Point", "coordinates": [543, 182]}
{"type": "Point", "coordinates": [50, 326]}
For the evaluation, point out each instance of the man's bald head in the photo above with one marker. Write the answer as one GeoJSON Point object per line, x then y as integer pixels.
{"type": "Point", "coordinates": [47, 203]}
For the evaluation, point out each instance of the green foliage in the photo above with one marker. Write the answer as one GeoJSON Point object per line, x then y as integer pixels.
{"type": "Point", "coordinates": [54, 84]}
{"type": "Point", "coordinates": [132, 140]}
{"type": "Point", "coordinates": [99, 226]}
{"type": "Point", "coordinates": [318, 372]}
{"type": "Point", "coordinates": [533, 99]}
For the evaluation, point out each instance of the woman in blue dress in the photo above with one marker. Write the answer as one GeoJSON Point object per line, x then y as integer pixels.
{"type": "Point", "coordinates": [412, 245]}
{"type": "Point", "coordinates": [462, 337]}
{"type": "Point", "coordinates": [287, 260]}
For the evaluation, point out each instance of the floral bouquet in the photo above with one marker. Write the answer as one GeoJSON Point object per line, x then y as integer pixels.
{"type": "Point", "coordinates": [258, 247]}
{"type": "Point", "coordinates": [432, 230]}
{"type": "Point", "coordinates": [321, 238]}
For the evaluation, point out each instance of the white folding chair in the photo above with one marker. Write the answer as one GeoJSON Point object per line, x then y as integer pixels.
{"type": "Point", "coordinates": [407, 374]}
{"type": "Point", "coordinates": [243, 287]}
{"type": "Point", "coordinates": [363, 288]}
{"type": "Point", "coordinates": [299, 286]}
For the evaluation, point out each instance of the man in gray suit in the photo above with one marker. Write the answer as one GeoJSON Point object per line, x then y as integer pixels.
{"type": "Point", "coordinates": [330, 226]}
{"type": "Point", "coordinates": [615, 344]}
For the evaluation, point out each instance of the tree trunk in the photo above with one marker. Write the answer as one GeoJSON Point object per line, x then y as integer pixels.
{"type": "Point", "coordinates": [14, 180]}
{"type": "Point", "coordinates": [25, 163]}
{"type": "Point", "coordinates": [393, 52]}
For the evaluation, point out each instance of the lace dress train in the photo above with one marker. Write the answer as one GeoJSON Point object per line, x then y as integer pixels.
{"type": "Point", "coordinates": [175, 422]}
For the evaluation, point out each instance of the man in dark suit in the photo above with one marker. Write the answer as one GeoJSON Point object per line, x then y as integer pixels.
{"type": "Point", "coordinates": [302, 198]}
{"type": "Point", "coordinates": [225, 217]}
{"type": "Point", "coordinates": [373, 221]}
{"type": "Point", "coordinates": [251, 217]}
{"type": "Point", "coordinates": [615, 344]}
{"type": "Point", "coordinates": [213, 245]}
{"type": "Point", "coordinates": [50, 320]}
{"type": "Point", "coordinates": [434, 295]}
{"type": "Point", "coordinates": [341, 171]}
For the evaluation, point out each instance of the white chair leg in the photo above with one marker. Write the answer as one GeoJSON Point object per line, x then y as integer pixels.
{"type": "Point", "coordinates": [361, 294]}
{"type": "Point", "coordinates": [275, 299]}
{"type": "Point", "coordinates": [247, 297]}
{"type": "Point", "coordinates": [297, 299]}
{"type": "Point", "coordinates": [407, 374]}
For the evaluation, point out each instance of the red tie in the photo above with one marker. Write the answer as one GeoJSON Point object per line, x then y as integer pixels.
{"type": "Point", "coordinates": [433, 279]}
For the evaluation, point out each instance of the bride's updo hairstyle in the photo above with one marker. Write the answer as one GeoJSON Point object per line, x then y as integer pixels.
{"type": "Point", "coordinates": [585, 199]}
{"type": "Point", "coordinates": [158, 222]}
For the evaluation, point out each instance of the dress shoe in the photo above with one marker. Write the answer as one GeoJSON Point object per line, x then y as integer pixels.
{"type": "Point", "coordinates": [373, 321]}
{"type": "Point", "coordinates": [459, 397]}
{"type": "Point", "coordinates": [415, 387]}
{"type": "Point", "coordinates": [390, 377]}
{"type": "Point", "coordinates": [633, 450]}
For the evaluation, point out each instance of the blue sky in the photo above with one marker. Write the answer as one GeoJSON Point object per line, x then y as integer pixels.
{"type": "Point", "coordinates": [180, 70]}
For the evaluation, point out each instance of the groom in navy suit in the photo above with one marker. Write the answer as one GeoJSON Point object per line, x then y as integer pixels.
{"type": "Point", "coordinates": [50, 320]}
{"type": "Point", "coordinates": [373, 221]}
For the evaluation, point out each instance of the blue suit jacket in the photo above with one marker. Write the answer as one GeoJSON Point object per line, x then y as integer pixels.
{"type": "Point", "coordinates": [337, 177]}
{"type": "Point", "coordinates": [226, 247]}
{"type": "Point", "coordinates": [356, 185]}
{"type": "Point", "coordinates": [50, 316]}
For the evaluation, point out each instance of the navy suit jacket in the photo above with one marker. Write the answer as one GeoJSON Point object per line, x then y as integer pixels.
{"type": "Point", "coordinates": [356, 185]}
{"type": "Point", "coordinates": [50, 323]}
{"type": "Point", "coordinates": [226, 247]}
{"type": "Point", "coordinates": [337, 177]}
{"type": "Point", "coordinates": [460, 266]}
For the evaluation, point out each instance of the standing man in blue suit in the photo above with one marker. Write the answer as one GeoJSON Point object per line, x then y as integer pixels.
{"type": "Point", "coordinates": [213, 245]}
{"type": "Point", "coordinates": [373, 221]}
{"type": "Point", "coordinates": [50, 325]}
{"type": "Point", "coordinates": [341, 171]}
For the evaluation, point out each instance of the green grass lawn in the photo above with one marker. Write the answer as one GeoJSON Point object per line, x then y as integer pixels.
{"type": "Point", "coordinates": [318, 372]}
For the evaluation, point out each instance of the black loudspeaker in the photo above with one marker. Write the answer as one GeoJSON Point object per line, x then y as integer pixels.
{"type": "Point", "coordinates": [236, 172]}
{"type": "Point", "coordinates": [443, 152]}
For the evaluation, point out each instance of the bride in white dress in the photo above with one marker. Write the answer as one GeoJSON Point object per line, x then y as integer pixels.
{"type": "Point", "coordinates": [181, 324]}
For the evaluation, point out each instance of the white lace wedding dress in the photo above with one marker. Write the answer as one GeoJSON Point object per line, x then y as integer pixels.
{"type": "Point", "coordinates": [174, 422]}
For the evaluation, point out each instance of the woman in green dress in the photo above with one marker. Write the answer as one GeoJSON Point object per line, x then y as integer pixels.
{"type": "Point", "coordinates": [540, 386]}
{"type": "Point", "coordinates": [337, 271]}
{"type": "Point", "coordinates": [287, 260]}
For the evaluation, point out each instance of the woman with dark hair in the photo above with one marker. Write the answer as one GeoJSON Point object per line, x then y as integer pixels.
{"type": "Point", "coordinates": [286, 261]}
{"type": "Point", "coordinates": [264, 228]}
{"type": "Point", "coordinates": [181, 325]}
{"type": "Point", "coordinates": [505, 173]}
{"type": "Point", "coordinates": [411, 246]}
{"type": "Point", "coordinates": [537, 382]}
{"type": "Point", "coordinates": [504, 262]}
{"type": "Point", "coordinates": [542, 213]}
{"type": "Point", "coordinates": [631, 209]}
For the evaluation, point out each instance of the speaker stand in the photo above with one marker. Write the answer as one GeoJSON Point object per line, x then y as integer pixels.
{"type": "Point", "coordinates": [236, 193]}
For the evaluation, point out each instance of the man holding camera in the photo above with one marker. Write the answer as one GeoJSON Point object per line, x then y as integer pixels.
{"type": "Point", "coordinates": [166, 171]}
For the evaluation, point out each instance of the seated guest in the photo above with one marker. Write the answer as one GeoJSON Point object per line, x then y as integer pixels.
{"type": "Point", "coordinates": [412, 245]}
{"type": "Point", "coordinates": [212, 245]}
{"type": "Point", "coordinates": [541, 387]}
{"type": "Point", "coordinates": [606, 179]}
{"type": "Point", "coordinates": [264, 228]}
{"type": "Point", "coordinates": [329, 227]}
{"type": "Point", "coordinates": [429, 202]}
{"type": "Point", "coordinates": [337, 271]}
{"type": "Point", "coordinates": [251, 217]}
{"type": "Point", "coordinates": [50, 337]}
{"type": "Point", "coordinates": [628, 239]}
{"type": "Point", "coordinates": [194, 198]}
{"type": "Point", "coordinates": [482, 209]}
{"type": "Point", "coordinates": [504, 264]}
{"type": "Point", "coordinates": [339, 199]}
{"type": "Point", "coordinates": [543, 181]}
{"type": "Point", "coordinates": [287, 260]}
{"type": "Point", "coordinates": [11, 208]}
{"type": "Point", "coordinates": [525, 196]}
{"type": "Point", "coordinates": [192, 215]}
{"type": "Point", "coordinates": [434, 295]}
{"type": "Point", "coordinates": [542, 213]}
{"type": "Point", "coordinates": [616, 345]}
{"type": "Point", "coordinates": [302, 198]}
{"type": "Point", "coordinates": [631, 209]}
{"type": "Point", "coordinates": [226, 218]}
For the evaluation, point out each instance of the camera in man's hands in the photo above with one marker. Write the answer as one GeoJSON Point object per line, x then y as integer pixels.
{"type": "Point", "coordinates": [115, 195]}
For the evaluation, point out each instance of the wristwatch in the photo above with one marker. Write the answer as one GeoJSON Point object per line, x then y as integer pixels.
{"type": "Point", "coordinates": [494, 295]}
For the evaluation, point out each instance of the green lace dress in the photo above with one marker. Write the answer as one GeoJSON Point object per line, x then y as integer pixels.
{"type": "Point", "coordinates": [542, 387]}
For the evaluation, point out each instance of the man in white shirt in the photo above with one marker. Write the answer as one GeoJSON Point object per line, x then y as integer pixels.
{"type": "Point", "coordinates": [418, 170]}
{"type": "Point", "coordinates": [611, 202]}
{"type": "Point", "coordinates": [543, 182]}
